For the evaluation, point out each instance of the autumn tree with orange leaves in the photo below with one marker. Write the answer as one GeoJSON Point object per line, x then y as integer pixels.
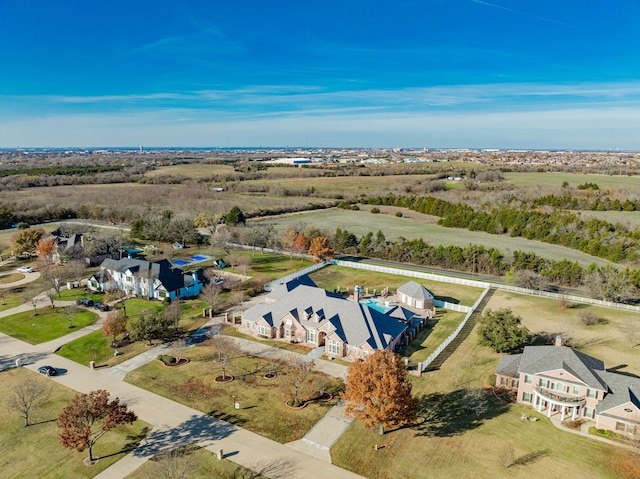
{"type": "Point", "coordinates": [88, 417]}
{"type": "Point", "coordinates": [319, 248]}
{"type": "Point", "coordinates": [45, 248]}
{"type": "Point", "coordinates": [114, 324]}
{"type": "Point", "coordinates": [378, 391]}
{"type": "Point", "coordinates": [301, 244]}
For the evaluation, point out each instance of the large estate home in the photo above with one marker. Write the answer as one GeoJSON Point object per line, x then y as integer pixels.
{"type": "Point", "coordinates": [561, 381]}
{"type": "Point", "coordinates": [159, 280]}
{"type": "Point", "coordinates": [299, 311]}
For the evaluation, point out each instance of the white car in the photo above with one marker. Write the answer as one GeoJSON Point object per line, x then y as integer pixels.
{"type": "Point", "coordinates": [25, 269]}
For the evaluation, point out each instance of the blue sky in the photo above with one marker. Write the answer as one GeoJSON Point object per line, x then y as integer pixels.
{"type": "Point", "coordinates": [407, 73]}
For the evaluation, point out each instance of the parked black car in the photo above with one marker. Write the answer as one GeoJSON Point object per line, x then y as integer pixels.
{"type": "Point", "coordinates": [102, 306]}
{"type": "Point", "coordinates": [85, 302]}
{"type": "Point", "coordinates": [48, 370]}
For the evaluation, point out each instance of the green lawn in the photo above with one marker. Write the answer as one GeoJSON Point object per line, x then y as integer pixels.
{"type": "Point", "coordinates": [47, 325]}
{"type": "Point", "coordinates": [262, 409]}
{"type": "Point", "coordinates": [428, 340]}
{"type": "Point", "coordinates": [34, 451]}
{"type": "Point", "coordinates": [361, 222]}
{"type": "Point", "coordinates": [448, 442]}
{"type": "Point", "coordinates": [96, 347]}
{"type": "Point", "coordinates": [553, 179]}
{"type": "Point", "coordinates": [9, 301]}
{"type": "Point", "coordinates": [332, 277]}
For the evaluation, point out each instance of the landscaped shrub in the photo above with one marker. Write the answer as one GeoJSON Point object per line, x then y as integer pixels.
{"type": "Point", "coordinates": [399, 214]}
{"type": "Point", "coordinates": [165, 358]}
{"type": "Point", "coordinates": [375, 210]}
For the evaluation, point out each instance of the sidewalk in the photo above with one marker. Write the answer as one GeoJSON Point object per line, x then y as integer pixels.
{"type": "Point", "coordinates": [584, 432]}
{"type": "Point", "coordinates": [176, 423]}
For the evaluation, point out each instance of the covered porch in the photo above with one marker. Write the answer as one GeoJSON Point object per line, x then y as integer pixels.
{"type": "Point", "coordinates": [554, 403]}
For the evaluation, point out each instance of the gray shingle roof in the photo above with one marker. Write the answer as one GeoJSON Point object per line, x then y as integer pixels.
{"type": "Point", "coordinates": [623, 389]}
{"type": "Point", "coordinates": [415, 290]}
{"type": "Point", "coordinates": [354, 323]}
{"type": "Point", "coordinates": [509, 365]}
{"type": "Point", "coordinates": [539, 359]}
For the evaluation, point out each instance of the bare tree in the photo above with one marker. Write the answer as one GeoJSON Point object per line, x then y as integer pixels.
{"type": "Point", "coordinates": [226, 349]}
{"type": "Point", "coordinates": [173, 313]}
{"type": "Point", "coordinates": [210, 294]}
{"type": "Point", "coordinates": [75, 270]}
{"type": "Point", "coordinates": [32, 295]}
{"type": "Point", "coordinates": [52, 277]}
{"type": "Point", "coordinates": [176, 463]}
{"type": "Point", "coordinates": [27, 395]}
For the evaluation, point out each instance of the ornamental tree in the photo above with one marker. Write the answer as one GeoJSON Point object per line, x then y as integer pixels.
{"type": "Point", "coordinates": [319, 248]}
{"type": "Point", "coordinates": [24, 243]}
{"type": "Point", "coordinates": [502, 331]}
{"type": "Point", "coordinates": [378, 391]}
{"type": "Point", "coordinates": [114, 324]}
{"type": "Point", "coordinates": [88, 417]}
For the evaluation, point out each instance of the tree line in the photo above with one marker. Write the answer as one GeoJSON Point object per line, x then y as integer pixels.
{"type": "Point", "coordinates": [593, 236]}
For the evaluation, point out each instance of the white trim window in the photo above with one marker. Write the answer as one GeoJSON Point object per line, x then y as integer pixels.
{"type": "Point", "coordinates": [312, 336]}
{"type": "Point", "coordinates": [262, 330]}
{"type": "Point", "coordinates": [333, 347]}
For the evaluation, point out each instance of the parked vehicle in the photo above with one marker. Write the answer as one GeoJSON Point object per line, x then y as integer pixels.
{"type": "Point", "coordinates": [48, 370]}
{"type": "Point", "coordinates": [102, 306]}
{"type": "Point", "coordinates": [85, 302]}
{"type": "Point", "coordinates": [25, 269]}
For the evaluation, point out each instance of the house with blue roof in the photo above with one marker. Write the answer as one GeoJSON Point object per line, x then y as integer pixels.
{"type": "Point", "coordinates": [299, 311]}
{"type": "Point", "coordinates": [158, 280]}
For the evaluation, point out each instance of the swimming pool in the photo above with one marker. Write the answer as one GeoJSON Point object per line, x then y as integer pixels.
{"type": "Point", "coordinates": [376, 305]}
{"type": "Point", "coordinates": [189, 260]}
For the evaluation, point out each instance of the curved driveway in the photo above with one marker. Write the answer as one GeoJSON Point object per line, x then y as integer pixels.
{"type": "Point", "coordinates": [173, 423]}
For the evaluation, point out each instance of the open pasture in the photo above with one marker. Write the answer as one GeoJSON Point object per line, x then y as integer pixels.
{"type": "Point", "coordinates": [415, 225]}
{"type": "Point", "coordinates": [555, 180]}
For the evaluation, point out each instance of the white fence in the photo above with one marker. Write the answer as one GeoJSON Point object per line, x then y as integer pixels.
{"type": "Point", "coordinates": [289, 277]}
{"type": "Point", "coordinates": [484, 285]}
{"type": "Point", "coordinates": [453, 335]}
{"type": "Point", "coordinates": [452, 306]}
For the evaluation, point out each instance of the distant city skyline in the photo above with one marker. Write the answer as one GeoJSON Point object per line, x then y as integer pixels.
{"type": "Point", "coordinates": [410, 74]}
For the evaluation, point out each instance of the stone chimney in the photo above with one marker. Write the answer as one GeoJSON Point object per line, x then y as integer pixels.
{"type": "Point", "coordinates": [558, 340]}
{"type": "Point", "coordinates": [357, 293]}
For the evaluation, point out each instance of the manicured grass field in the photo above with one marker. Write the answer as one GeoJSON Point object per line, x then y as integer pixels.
{"type": "Point", "coordinates": [262, 409]}
{"type": "Point", "coordinates": [410, 226]}
{"type": "Point", "coordinates": [552, 179]}
{"type": "Point", "coordinates": [332, 277]}
{"type": "Point", "coordinates": [198, 464]}
{"type": "Point", "coordinates": [96, 347]}
{"type": "Point", "coordinates": [34, 451]}
{"type": "Point", "coordinates": [432, 336]}
{"type": "Point", "coordinates": [10, 301]}
{"type": "Point", "coordinates": [47, 325]}
{"type": "Point", "coordinates": [615, 340]}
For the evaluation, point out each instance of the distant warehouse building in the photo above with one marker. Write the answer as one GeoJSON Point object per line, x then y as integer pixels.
{"type": "Point", "coordinates": [292, 161]}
